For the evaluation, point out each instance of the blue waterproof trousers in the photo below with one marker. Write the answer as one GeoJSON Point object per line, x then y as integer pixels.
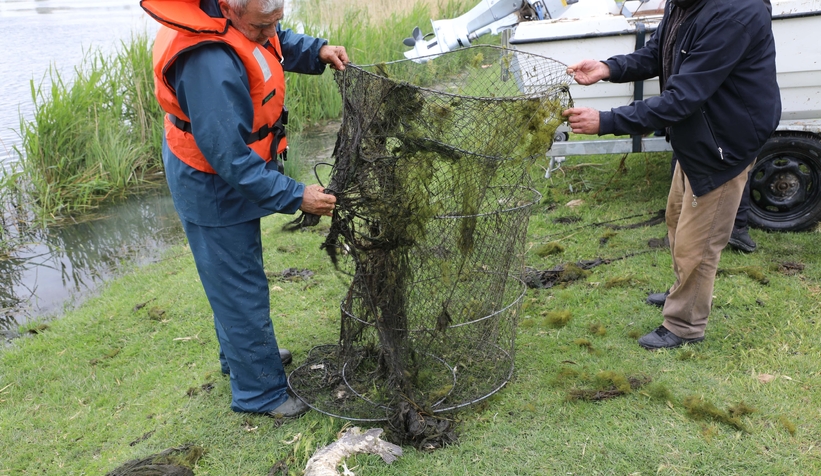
{"type": "Point", "coordinates": [229, 262]}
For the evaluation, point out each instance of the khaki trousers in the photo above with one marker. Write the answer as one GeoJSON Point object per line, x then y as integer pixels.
{"type": "Point", "coordinates": [698, 228]}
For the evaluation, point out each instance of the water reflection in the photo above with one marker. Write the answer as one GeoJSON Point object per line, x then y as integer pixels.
{"type": "Point", "coordinates": [68, 262]}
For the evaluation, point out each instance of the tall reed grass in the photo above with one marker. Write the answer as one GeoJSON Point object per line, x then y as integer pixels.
{"type": "Point", "coordinates": [93, 136]}
{"type": "Point", "coordinates": [332, 12]}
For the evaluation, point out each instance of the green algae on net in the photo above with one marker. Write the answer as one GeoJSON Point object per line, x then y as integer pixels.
{"type": "Point", "coordinates": [433, 193]}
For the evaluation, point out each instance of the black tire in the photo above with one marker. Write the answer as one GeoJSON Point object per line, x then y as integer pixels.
{"type": "Point", "coordinates": [785, 184]}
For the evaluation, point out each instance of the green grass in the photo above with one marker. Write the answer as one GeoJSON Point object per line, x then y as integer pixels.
{"type": "Point", "coordinates": [61, 414]}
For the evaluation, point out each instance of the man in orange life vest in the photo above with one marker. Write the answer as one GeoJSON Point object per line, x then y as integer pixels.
{"type": "Point", "coordinates": [218, 67]}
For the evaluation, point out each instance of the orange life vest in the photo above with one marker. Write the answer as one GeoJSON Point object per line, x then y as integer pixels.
{"type": "Point", "coordinates": [186, 26]}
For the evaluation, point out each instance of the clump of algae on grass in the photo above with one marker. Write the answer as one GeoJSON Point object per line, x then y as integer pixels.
{"type": "Point", "coordinates": [753, 272]}
{"type": "Point", "coordinates": [547, 249]}
{"type": "Point", "coordinates": [687, 354]}
{"type": "Point", "coordinates": [787, 424]}
{"type": "Point", "coordinates": [558, 319]}
{"type": "Point", "coordinates": [597, 329]}
{"type": "Point", "coordinates": [586, 344]}
{"type": "Point", "coordinates": [618, 282]}
{"type": "Point", "coordinates": [740, 409]}
{"type": "Point", "coordinates": [566, 373]}
{"type": "Point", "coordinates": [700, 409]}
{"type": "Point", "coordinates": [572, 272]}
{"type": "Point", "coordinates": [618, 380]}
{"type": "Point", "coordinates": [659, 391]}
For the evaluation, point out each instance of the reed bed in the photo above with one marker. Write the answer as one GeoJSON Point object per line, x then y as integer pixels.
{"type": "Point", "coordinates": [332, 12]}
{"type": "Point", "coordinates": [93, 136]}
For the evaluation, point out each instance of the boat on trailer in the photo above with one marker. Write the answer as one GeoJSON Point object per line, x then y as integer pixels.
{"type": "Point", "coordinates": [786, 180]}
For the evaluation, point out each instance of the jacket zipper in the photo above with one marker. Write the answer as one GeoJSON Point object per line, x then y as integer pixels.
{"type": "Point", "coordinates": [710, 128]}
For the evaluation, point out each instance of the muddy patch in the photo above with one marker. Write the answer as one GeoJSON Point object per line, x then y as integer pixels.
{"type": "Point", "coordinates": [618, 385]}
{"type": "Point", "coordinates": [290, 274]}
{"type": "Point", "coordinates": [790, 268]}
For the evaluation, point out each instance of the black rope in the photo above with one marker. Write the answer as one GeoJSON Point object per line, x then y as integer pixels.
{"type": "Point", "coordinates": [547, 278]}
{"type": "Point", "coordinates": [651, 222]}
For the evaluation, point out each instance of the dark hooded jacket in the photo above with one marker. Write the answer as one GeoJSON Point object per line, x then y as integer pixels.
{"type": "Point", "coordinates": [721, 102]}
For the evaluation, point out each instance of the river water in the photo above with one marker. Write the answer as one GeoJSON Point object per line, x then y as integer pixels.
{"type": "Point", "coordinates": [64, 265]}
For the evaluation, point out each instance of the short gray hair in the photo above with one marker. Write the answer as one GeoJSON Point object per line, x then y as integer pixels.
{"type": "Point", "coordinates": [268, 6]}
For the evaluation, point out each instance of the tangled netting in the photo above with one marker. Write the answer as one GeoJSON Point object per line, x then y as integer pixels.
{"type": "Point", "coordinates": [433, 186]}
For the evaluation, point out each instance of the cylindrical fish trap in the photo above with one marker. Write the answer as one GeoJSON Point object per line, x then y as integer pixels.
{"type": "Point", "coordinates": [433, 186]}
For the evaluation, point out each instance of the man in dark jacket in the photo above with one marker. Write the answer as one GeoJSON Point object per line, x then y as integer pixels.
{"type": "Point", "coordinates": [719, 103]}
{"type": "Point", "coordinates": [213, 84]}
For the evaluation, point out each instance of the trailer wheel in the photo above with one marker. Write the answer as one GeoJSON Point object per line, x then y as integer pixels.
{"type": "Point", "coordinates": [785, 184]}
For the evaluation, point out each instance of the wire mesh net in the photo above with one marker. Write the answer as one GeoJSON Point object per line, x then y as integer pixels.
{"type": "Point", "coordinates": [433, 194]}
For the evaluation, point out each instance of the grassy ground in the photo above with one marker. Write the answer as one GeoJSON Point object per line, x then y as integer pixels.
{"type": "Point", "coordinates": [108, 383]}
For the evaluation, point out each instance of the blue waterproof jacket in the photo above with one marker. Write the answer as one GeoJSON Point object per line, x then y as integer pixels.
{"type": "Point", "coordinates": [721, 101]}
{"type": "Point", "coordinates": [213, 90]}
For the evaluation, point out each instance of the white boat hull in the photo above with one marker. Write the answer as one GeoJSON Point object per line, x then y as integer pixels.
{"type": "Point", "coordinates": [570, 40]}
